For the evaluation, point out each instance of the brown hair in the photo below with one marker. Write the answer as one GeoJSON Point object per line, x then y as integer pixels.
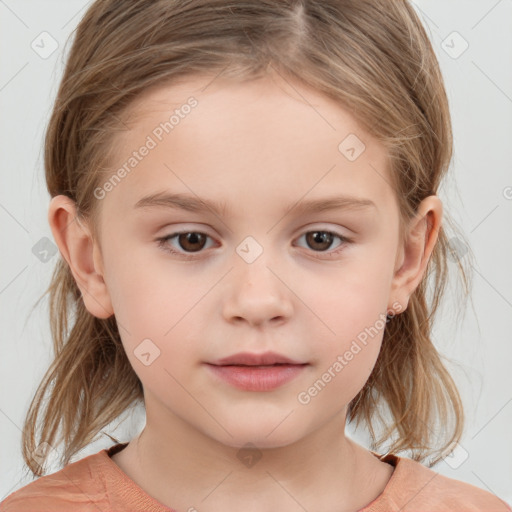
{"type": "Point", "coordinates": [374, 58]}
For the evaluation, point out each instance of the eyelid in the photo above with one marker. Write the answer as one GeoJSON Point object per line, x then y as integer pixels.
{"type": "Point", "coordinates": [300, 231]}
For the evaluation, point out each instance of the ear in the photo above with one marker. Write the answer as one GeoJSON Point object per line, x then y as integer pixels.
{"type": "Point", "coordinates": [421, 237]}
{"type": "Point", "coordinates": [82, 254]}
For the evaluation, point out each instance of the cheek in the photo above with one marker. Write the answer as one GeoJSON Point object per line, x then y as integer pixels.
{"type": "Point", "coordinates": [148, 294]}
{"type": "Point", "coordinates": [155, 330]}
{"type": "Point", "coordinates": [352, 306]}
{"type": "Point", "coordinates": [346, 358]}
{"type": "Point", "coordinates": [156, 317]}
{"type": "Point", "coordinates": [352, 296]}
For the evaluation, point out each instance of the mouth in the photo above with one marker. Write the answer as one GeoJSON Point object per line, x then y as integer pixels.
{"type": "Point", "coordinates": [260, 365]}
{"type": "Point", "coordinates": [266, 359]}
{"type": "Point", "coordinates": [256, 377]}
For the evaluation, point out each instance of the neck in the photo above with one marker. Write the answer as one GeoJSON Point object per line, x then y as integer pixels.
{"type": "Point", "coordinates": [183, 468]}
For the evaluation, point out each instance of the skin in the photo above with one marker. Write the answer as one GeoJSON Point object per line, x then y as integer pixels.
{"type": "Point", "coordinates": [258, 146]}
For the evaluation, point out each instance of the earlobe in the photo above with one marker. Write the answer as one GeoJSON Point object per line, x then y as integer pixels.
{"type": "Point", "coordinates": [82, 254]}
{"type": "Point", "coordinates": [420, 241]}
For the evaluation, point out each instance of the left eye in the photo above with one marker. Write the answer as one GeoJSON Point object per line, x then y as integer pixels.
{"type": "Point", "coordinates": [193, 241]}
{"type": "Point", "coordinates": [323, 238]}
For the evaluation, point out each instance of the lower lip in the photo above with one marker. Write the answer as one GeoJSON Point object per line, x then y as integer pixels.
{"type": "Point", "coordinates": [257, 378]}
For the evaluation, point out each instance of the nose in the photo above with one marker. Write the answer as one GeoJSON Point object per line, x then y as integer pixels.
{"type": "Point", "coordinates": [257, 294]}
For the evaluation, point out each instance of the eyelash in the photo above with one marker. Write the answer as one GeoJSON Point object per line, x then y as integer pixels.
{"type": "Point", "coordinates": [162, 243]}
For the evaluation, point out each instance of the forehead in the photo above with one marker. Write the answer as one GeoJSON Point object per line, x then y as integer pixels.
{"type": "Point", "coordinates": [255, 139]}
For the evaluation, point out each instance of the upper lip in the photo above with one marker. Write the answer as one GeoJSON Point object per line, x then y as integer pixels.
{"type": "Point", "coordinates": [250, 359]}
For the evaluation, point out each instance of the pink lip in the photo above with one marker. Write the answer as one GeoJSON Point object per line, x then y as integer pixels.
{"type": "Point", "coordinates": [257, 378]}
{"type": "Point", "coordinates": [263, 359]}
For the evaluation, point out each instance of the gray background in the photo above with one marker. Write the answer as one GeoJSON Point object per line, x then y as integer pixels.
{"type": "Point", "coordinates": [478, 196]}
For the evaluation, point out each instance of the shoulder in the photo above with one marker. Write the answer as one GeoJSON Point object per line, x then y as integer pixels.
{"type": "Point", "coordinates": [76, 487]}
{"type": "Point", "coordinates": [414, 487]}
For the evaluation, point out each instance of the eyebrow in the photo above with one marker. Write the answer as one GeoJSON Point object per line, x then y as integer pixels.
{"type": "Point", "coordinates": [195, 204]}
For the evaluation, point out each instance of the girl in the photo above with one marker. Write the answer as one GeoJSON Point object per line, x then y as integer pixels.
{"type": "Point", "coordinates": [300, 145]}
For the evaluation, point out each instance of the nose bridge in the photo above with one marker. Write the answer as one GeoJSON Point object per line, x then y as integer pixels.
{"type": "Point", "coordinates": [256, 293]}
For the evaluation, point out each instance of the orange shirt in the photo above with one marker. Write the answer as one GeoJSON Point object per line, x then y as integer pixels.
{"type": "Point", "coordinates": [95, 483]}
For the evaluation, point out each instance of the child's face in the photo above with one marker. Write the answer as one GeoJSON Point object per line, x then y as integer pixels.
{"type": "Point", "coordinates": [258, 282]}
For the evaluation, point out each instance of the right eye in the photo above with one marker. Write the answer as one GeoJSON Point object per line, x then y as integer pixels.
{"type": "Point", "coordinates": [188, 240]}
